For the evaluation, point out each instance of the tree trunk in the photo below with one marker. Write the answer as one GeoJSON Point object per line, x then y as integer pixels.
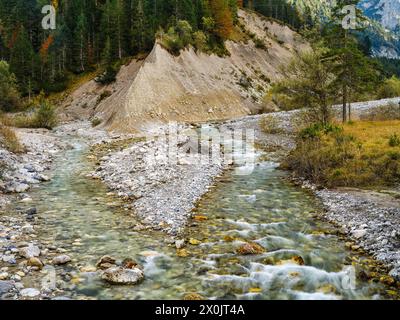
{"type": "Point", "coordinates": [81, 55]}
{"type": "Point", "coordinates": [345, 81]}
{"type": "Point", "coordinates": [344, 115]}
{"type": "Point", "coordinates": [349, 111]}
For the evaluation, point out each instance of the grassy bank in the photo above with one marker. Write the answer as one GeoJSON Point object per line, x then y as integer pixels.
{"type": "Point", "coordinates": [360, 154]}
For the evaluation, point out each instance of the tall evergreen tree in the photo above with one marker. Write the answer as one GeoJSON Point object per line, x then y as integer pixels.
{"type": "Point", "coordinates": [22, 60]}
{"type": "Point", "coordinates": [352, 68]}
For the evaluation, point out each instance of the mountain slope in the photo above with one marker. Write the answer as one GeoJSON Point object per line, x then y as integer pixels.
{"type": "Point", "coordinates": [384, 31]}
{"type": "Point", "coordinates": [386, 12]}
{"type": "Point", "coordinates": [193, 86]}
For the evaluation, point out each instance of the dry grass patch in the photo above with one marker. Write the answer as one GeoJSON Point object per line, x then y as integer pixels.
{"type": "Point", "coordinates": [360, 154]}
{"type": "Point", "coordinates": [270, 125]}
{"type": "Point", "coordinates": [383, 113]}
{"type": "Point", "coordinates": [9, 140]}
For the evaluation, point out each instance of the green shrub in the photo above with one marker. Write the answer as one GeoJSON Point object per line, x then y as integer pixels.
{"type": "Point", "coordinates": [96, 121]}
{"type": "Point", "coordinates": [394, 140]}
{"type": "Point", "coordinates": [318, 129]}
{"type": "Point", "coordinates": [9, 140]}
{"type": "Point", "coordinates": [260, 44]}
{"type": "Point", "coordinates": [184, 32]}
{"type": "Point", "coordinates": [181, 36]}
{"type": "Point", "coordinates": [171, 41]}
{"type": "Point", "coordinates": [45, 116]}
{"type": "Point", "coordinates": [200, 40]}
{"type": "Point", "coordinates": [9, 96]}
{"type": "Point", "coordinates": [394, 155]}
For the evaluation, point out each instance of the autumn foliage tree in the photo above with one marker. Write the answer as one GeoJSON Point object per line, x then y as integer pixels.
{"type": "Point", "coordinates": [88, 30]}
{"type": "Point", "coordinates": [223, 18]}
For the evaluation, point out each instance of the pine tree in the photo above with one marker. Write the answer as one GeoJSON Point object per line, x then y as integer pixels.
{"type": "Point", "coordinates": [353, 70]}
{"type": "Point", "coordinates": [21, 60]}
{"type": "Point", "coordinates": [308, 81]}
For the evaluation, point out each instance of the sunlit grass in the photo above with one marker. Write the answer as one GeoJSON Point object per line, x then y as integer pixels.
{"type": "Point", "coordinates": [374, 135]}
{"type": "Point", "coordinates": [360, 154]}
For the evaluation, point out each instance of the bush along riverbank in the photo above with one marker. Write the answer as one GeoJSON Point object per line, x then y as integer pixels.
{"type": "Point", "coordinates": [354, 169]}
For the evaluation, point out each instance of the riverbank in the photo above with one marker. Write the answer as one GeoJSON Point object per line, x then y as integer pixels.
{"type": "Point", "coordinates": [21, 171]}
{"type": "Point", "coordinates": [163, 193]}
{"type": "Point", "coordinates": [368, 218]}
{"type": "Point", "coordinates": [371, 219]}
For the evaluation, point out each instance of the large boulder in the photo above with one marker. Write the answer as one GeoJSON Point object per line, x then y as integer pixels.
{"type": "Point", "coordinates": [120, 275]}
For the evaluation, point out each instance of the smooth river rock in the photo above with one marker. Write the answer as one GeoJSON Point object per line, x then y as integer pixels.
{"type": "Point", "coordinates": [30, 292]}
{"type": "Point", "coordinates": [63, 259]}
{"type": "Point", "coordinates": [29, 252]}
{"type": "Point", "coordinates": [119, 275]}
{"type": "Point", "coordinates": [6, 286]}
{"type": "Point", "coordinates": [35, 262]}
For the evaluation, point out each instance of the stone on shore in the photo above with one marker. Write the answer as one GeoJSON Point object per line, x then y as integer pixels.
{"type": "Point", "coordinates": [35, 262]}
{"type": "Point", "coordinates": [6, 286]}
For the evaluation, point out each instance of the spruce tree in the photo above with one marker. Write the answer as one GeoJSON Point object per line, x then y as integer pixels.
{"type": "Point", "coordinates": [21, 60]}
{"type": "Point", "coordinates": [353, 69]}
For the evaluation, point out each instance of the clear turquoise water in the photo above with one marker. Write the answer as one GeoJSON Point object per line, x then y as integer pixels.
{"type": "Point", "coordinates": [76, 214]}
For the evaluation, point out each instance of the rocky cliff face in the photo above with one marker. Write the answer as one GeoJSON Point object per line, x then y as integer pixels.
{"type": "Point", "coordinates": [384, 31]}
{"type": "Point", "coordinates": [386, 12]}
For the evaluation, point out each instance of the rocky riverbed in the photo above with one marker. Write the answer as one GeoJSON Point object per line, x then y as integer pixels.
{"type": "Point", "coordinates": [162, 178]}
{"type": "Point", "coordinates": [164, 195]}
{"type": "Point", "coordinates": [162, 192]}
{"type": "Point", "coordinates": [164, 174]}
{"type": "Point", "coordinates": [370, 219]}
{"type": "Point", "coordinates": [22, 254]}
{"type": "Point", "coordinates": [21, 171]}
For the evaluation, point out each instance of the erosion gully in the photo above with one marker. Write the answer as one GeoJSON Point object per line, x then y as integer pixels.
{"type": "Point", "coordinates": [79, 216]}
